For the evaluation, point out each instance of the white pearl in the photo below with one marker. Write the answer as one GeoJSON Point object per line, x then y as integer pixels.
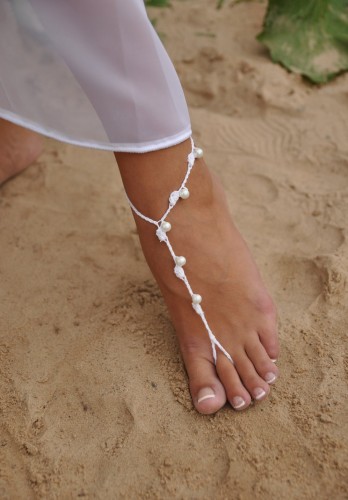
{"type": "Point", "coordinates": [198, 153]}
{"type": "Point", "coordinates": [184, 193]}
{"type": "Point", "coordinates": [166, 226]}
{"type": "Point", "coordinates": [196, 298]}
{"type": "Point", "coordinates": [180, 260]}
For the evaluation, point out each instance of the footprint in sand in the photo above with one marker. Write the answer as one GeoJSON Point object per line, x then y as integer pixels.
{"type": "Point", "coordinates": [274, 138]}
{"type": "Point", "coordinates": [311, 237]}
{"type": "Point", "coordinates": [256, 189]}
{"type": "Point", "coordinates": [297, 282]}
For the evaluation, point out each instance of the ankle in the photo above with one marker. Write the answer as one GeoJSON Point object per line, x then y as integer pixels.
{"type": "Point", "coordinates": [149, 178]}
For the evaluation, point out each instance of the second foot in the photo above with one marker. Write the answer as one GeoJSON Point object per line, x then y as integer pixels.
{"type": "Point", "coordinates": [19, 147]}
{"type": "Point", "coordinates": [220, 268]}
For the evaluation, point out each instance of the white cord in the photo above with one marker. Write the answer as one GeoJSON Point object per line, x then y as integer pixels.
{"type": "Point", "coordinates": [163, 227]}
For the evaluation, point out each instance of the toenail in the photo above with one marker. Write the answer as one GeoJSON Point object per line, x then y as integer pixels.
{"type": "Point", "coordinates": [238, 402]}
{"type": "Point", "coordinates": [270, 377]}
{"type": "Point", "coordinates": [259, 393]}
{"type": "Point", "coordinates": [274, 360]}
{"type": "Point", "coordinates": [205, 393]}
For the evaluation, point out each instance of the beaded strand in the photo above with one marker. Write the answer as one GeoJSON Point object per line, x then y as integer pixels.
{"type": "Point", "coordinates": [163, 227]}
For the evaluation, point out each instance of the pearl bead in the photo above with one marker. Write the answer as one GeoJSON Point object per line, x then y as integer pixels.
{"type": "Point", "coordinates": [184, 193]}
{"type": "Point", "coordinates": [180, 261]}
{"type": "Point", "coordinates": [166, 226]}
{"type": "Point", "coordinates": [196, 298]}
{"type": "Point", "coordinates": [198, 153]}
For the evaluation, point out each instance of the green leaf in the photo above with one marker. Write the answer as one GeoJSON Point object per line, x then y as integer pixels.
{"type": "Point", "coordinates": [157, 3]}
{"type": "Point", "coordinates": [308, 36]}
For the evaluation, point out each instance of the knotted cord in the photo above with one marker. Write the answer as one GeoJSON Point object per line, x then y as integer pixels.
{"type": "Point", "coordinates": [163, 227]}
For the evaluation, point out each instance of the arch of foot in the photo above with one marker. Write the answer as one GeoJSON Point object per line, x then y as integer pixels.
{"type": "Point", "coordinates": [164, 227]}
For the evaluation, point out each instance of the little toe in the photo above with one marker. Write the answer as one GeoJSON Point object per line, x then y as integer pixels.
{"type": "Point", "coordinates": [269, 339]}
{"type": "Point", "coordinates": [208, 394]}
{"type": "Point", "coordinates": [236, 393]}
{"type": "Point", "coordinates": [256, 386]}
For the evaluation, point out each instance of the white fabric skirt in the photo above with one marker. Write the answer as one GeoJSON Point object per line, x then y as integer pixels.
{"type": "Point", "coordinates": [88, 72]}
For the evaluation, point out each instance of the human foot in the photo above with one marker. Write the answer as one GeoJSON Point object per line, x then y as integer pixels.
{"type": "Point", "coordinates": [219, 267]}
{"type": "Point", "coordinates": [19, 148]}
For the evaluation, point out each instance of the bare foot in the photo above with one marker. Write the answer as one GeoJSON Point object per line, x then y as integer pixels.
{"type": "Point", "coordinates": [219, 267]}
{"type": "Point", "coordinates": [19, 148]}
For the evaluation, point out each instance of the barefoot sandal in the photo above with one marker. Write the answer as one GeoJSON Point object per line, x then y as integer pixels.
{"type": "Point", "coordinates": [163, 227]}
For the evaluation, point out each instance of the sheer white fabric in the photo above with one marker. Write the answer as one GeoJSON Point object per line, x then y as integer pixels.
{"type": "Point", "coordinates": [89, 72]}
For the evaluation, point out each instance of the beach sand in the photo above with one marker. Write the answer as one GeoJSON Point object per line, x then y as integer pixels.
{"type": "Point", "coordinates": [93, 394]}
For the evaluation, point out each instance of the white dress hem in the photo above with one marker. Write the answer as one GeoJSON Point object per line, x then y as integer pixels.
{"type": "Point", "coordinates": [107, 146]}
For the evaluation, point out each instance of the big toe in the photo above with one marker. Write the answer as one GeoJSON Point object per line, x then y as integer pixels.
{"type": "Point", "coordinates": [208, 393]}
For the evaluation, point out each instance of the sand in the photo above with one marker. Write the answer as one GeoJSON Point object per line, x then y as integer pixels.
{"type": "Point", "coordinates": [93, 394]}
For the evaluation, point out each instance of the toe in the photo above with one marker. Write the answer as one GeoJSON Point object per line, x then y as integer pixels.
{"type": "Point", "coordinates": [269, 339]}
{"type": "Point", "coordinates": [268, 331]}
{"type": "Point", "coordinates": [261, 361]}
{"type": "Point", "coordinates": [208, 394]}
{"type": "Point", "coordinates": [256, 386]}
{"type": "Point", "coordinates": [236, 393]}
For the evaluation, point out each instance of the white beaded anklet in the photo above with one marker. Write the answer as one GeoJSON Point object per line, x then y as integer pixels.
{"type": "Point", "coordinates": [163, 227]}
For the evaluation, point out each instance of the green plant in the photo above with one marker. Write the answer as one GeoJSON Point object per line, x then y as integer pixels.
{"type": "Point", "coordinates": [157, 3]}
{"type": "Point", "coordinates": [308, 37]}
{"type": "Point", "coordinates": [221, 2]}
